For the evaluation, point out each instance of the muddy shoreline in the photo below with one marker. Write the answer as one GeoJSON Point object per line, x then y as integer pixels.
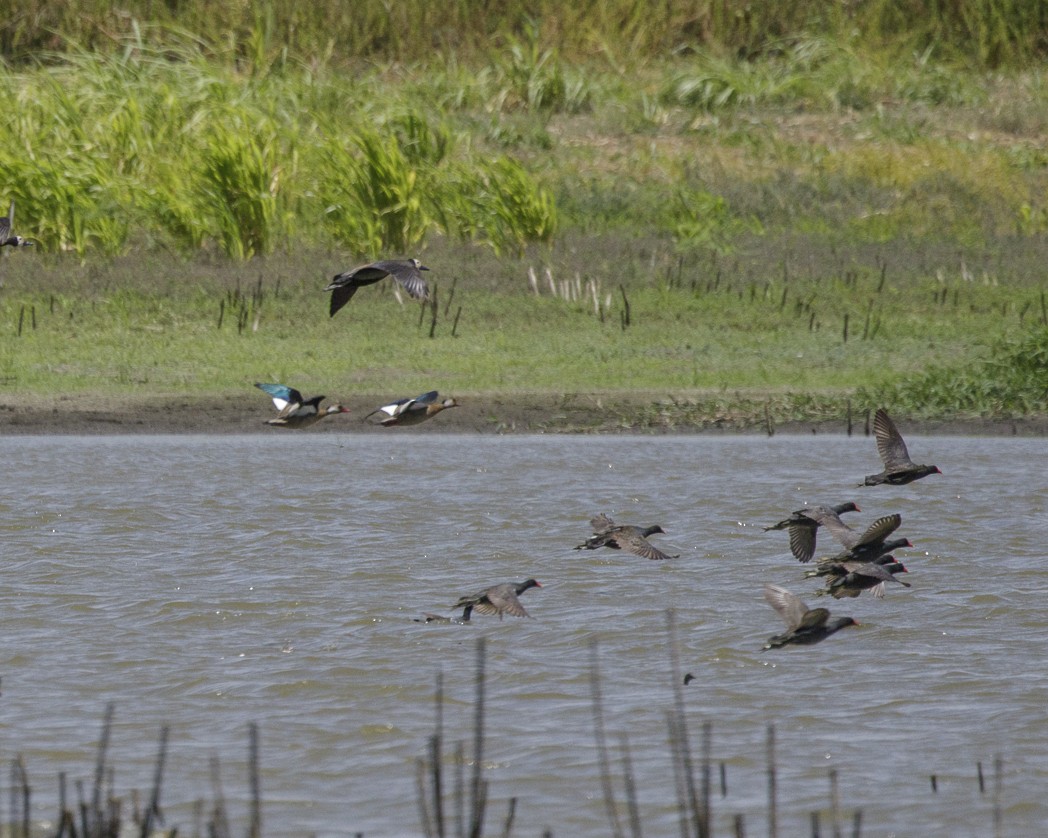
{"type": "Point", "coordinates": [478, 413]}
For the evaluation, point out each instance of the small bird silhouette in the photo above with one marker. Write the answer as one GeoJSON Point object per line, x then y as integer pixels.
{"type": "Point", "coordinates": [405, 271]}
{"type": "Point", "coordinates": [606, 533]}
{"type": "Point", "coordinates": [898, 467]}
{"type": "Point", "coordinates": [803, 524]}
{"type": "Point", "coordinates": [294, 410]}
{"type": "Point", "coordinates": [803, 625]}
{"type": "Point", "coordinates": [868, 544]}
{"type": "Point", "coordinates": [498, 599]}
{"type": "Point", "coordinates": [850, 579]}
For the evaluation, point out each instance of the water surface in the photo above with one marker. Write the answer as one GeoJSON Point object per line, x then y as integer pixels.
{"type": "Point", "coordinates": [207, 583]}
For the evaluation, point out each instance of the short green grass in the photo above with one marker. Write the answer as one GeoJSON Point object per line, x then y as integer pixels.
{"type": "Point", "coordinates": [696, 331]}
{"type": "Point", "coordinates": [813, 219]}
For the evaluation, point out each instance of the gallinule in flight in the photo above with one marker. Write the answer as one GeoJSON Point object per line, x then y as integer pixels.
{"type": "Point", "coordinates": [406, 272]}
{"type": "Point", "coordinates": [803, 625]}
{"type": "Point", "coordinates": [866, 545]}
{"type": "Point", "coordinates": [606, 533]}
{"type": "Point", "coordinates": [898, 467]}
{"type": "Point", "coordinates": [852, 578]}
{"type": "Point", "coordinates": [498, 599]}
{"type": "Point", "coordinates": [802, 525]}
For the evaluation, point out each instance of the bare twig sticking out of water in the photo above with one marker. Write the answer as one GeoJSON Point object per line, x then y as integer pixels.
{"type": "Point", "coordinates": [673, 727]}
{"type": "Point", "coordinates": [511, 812]}
{"type": "Point", "coordinates": [773, 806]}
{"type": "Point", "coordinates": [602, 746]}
{"type": "Point", "coordinates": [433, 823]}
{"type": "Point", "coordinates": [478, 788]}
{"type": "Point", "coordinates": [255, 828]}
{"type": "Point", "coordinates": [857, 824]}
{"type": "Point", "coordinates": [460, 791]}
{"type": "Point", "coordinates": [436, 751]}
{"type": "Point", "coordinates": [424, 815]}
{"type": "Point", "coordinates": [998, 788]}
{"type": "Point", "coordinates": [707, 755]}
{"type": "Point", "coordinates": [219, 826]}
{"type": "Point", "coordinates": [96, 815]}
{"type": "Point", "coordinates": [835, 804]}
{"type": "Point", "coordinates": [698, 809]}
{"type": "Point", "coordinates": [20, 796]}
{"type": "Point", "coordinates": [152, 813]}
{"type": "Point", "coordinates": [631, 786]}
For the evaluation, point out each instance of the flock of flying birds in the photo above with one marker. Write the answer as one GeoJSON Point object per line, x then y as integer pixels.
{"type": "Point", "coordinates": [865, 562]}
{"type": "Point", "coordinates": [293, 409]}
{"type": "Point", "coordinates": [296, 411]}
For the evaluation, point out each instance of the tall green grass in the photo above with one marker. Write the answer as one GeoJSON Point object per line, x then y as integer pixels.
{"type": "Point", "coordinates": [164, 147]}
{"type": "Point", "coordinates": [256, 33]}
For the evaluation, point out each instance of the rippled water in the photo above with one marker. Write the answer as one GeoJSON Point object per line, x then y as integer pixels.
{"type": "Point", "coordinates": [207, 583]}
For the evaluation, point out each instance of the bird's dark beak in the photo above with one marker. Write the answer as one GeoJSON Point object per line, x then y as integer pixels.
{"type": "Point", "coordinates": [423, 268]}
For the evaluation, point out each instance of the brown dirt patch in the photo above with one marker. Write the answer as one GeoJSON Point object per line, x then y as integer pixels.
{"type": "Point", "coordinates": [479, 413]}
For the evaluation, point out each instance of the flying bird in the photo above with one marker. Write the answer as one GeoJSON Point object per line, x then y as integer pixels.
{"type": "Point", "coordinates": [412, 411]}
{"type": "Point", "coordinates": [866, 545]}
{"type": "Point", "coordinates": [294, 410]}
{"type": "Point", "coordinates": [898, 467]}
{"type": "Point", "coordinates": [498, 599]}
{"type": "Point", "coordinates": [406, 272]}
{"type": "Point", "coordinates": [802, 526]}
{"type": "Point", "coordinates": [852, 578]}
{"type": "Point", "coordinates": [6, 239]}
{"type": "Point", "coordinates": [803, 625]}
{"type": "Point", "coordinates": [606, 533]}
{"type": "Point", "coordinates": [834, 567]}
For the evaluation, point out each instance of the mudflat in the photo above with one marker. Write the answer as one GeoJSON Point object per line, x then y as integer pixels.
{"type": "Point", "coordinates": [602, 413]}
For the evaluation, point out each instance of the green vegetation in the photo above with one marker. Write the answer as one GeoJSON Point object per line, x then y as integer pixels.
{"type": "Point", "coordinates": [986, 33]}
{"type": "Point", "coordinates": [790, 205]}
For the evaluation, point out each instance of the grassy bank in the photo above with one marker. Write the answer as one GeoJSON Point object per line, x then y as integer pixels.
{"type": "Point", "coordinates": [701, 334]}
{"type": "Point", "coordinates": [815, 222]}
{"type": "Point", "coordinates": [981, 32]}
